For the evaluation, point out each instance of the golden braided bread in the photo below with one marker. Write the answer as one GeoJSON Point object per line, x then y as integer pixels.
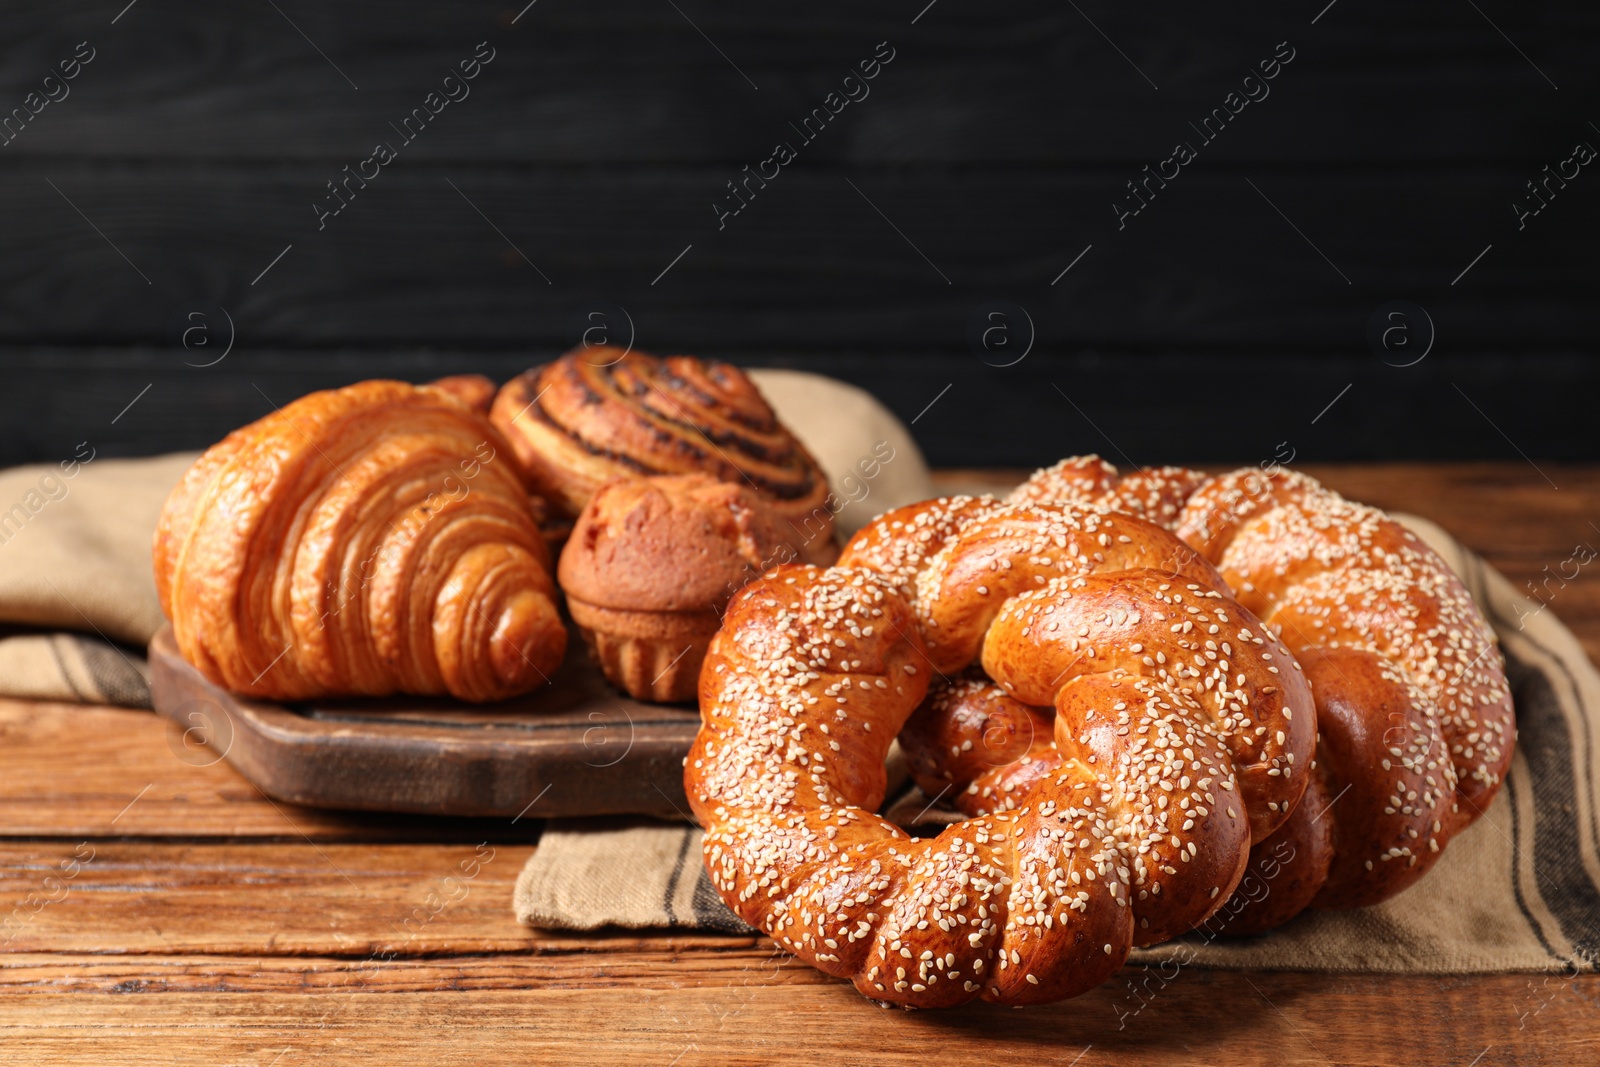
{"type": "Point", "coordinates": [1157, 493]}
{"type": "Point", "coordinates": [360, 541]}
{"type": "Point", "coordinates": [1414, 710]}
{"type": "Point", "coordinates": [1414, 713]}
{"type": "Point", "coordinates": [972, 745]}
{"type": "Point", "coordinates": [1184, 731]}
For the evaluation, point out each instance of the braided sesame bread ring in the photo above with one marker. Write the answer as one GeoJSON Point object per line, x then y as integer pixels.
{"type": "Point", "coordinates": [972, 742]}
{"type": "Point", "coordinates": [1175, 718]}
{"type": "Point", "coordinates": [1157, 493]}
{"type": "Point", "coordinates": [1414, 708]}
{"type": "Point", "coordinates": [967, 738]}
{"type": "Point", "coordinates": [1415, 721]}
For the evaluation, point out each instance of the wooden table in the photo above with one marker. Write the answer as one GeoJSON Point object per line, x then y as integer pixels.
{"type": "Point", "coordinates": [204, 923]}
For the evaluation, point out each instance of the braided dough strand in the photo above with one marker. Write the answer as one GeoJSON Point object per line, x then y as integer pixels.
{"type": "Point", "coordinates": [1173, 754]}
{"type": "Point", "coordinates": [1413, 704]}
{"type": "Point", "coordinates": [1413, 708]}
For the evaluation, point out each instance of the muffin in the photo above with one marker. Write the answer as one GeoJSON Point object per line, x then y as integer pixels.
{"type": "Point", "coordinates": [651, 564]}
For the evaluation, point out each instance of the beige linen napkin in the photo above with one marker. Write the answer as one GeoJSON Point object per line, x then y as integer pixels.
{"type": "Point", "coordinates": [872, 461]}
{"type": "Point", "coordinates": [75, 556]}
{"type": "Point", "coordinates": [1518, 891]}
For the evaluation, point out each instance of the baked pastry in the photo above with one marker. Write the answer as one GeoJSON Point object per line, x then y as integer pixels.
{"type": "Point", "coordinates": [474, 390]}
{"type": "Point", "coordinates": [358, 542]}
{"type": "Point", "coordinates": [1414, 710]}
{"type": "Point", "coordinates": [1414, 713]}
{"type": "Point", "coordinates": [1184, 728]}
{"type": "Point", "coordinates": [598, 414]}
{"type": "Point", "coordinates": [478, 392]}
{"type": "Point", "coordinates": [976, 747]}
{"type": "Point", "coordinates": [651, 565]}
{"type": "Point", "coordinates": [1156, 493]}
{"type": "Point", "coordinates": [970, 743]}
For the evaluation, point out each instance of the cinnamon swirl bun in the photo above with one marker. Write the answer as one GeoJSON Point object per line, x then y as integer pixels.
{"type": "Point", "coordinates": [601, 413]}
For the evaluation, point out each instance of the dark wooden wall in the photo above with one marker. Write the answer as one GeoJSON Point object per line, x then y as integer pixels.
{"type": "Point", "coordinates": [1218, 322]}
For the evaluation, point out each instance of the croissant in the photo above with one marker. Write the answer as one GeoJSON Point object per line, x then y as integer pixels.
{"type": "Point", "coordinates": [1414, 713]}
{"type": "Point", "coordinates": [1184, 731]}
{"type": "Point", "coordinates": [474, 390]}
{"type": "Point", "coordinates": [361, 541]}
{"type": "Point", "coordinates": [602, 413]}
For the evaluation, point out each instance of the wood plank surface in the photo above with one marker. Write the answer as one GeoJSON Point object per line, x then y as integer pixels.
{"type": "Point", "coordinates": [1026, 82]}
{"type": "Point", "coordinates": [1387, 160]}
{"type": "Point", "coordinates": [1237, 406]}
{"type": "Point", "coordinates": [200, 925]}
{"type": "Point", "coordinates": [75, 772]}
{"type": "Point", "coordinates": [409, 262]}
{"type": "Point", "coordinates": [755, 1014]}
{"type": "Point", "coordinates": [292, 898]}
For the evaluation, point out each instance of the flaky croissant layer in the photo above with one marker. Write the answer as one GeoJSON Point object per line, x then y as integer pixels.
{"type": "Point", "coordinates": [359, 542]}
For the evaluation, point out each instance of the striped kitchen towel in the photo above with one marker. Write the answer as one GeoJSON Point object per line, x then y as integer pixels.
{"type": "Point", "coordinates": [1518, 891]}
{"type": "Point", "coordinates": [76, 592]}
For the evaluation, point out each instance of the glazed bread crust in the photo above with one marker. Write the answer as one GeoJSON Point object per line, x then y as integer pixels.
{"type": "Point", "coordinates": [1415, 712]}
{"type": "Point", "coordinates": [1415, 722]}
{"type": "Point", "coordinates": [1184, 731]}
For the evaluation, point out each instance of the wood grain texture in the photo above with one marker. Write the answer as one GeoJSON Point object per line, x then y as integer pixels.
{"type": "Point", "coordinates": [758, 1015]}
{"type": "Point", "coordinates": [632, 82]}
{"type": "Point", "coordinates": [575, 746]}
{"type": "Point", "coordinates": [1155, 408]}
{"type": "Point", "coordinates": [995, 142]}
{"type": "Point", "coordinates": [74, 772]}
{"type": "Point", "coordinates": [809, 265]}
{"type": "Point", "coordinates": [296, 897]}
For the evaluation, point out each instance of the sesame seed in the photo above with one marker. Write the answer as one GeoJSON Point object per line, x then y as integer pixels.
{"type": "Point", "coordinates": [1201, 718]}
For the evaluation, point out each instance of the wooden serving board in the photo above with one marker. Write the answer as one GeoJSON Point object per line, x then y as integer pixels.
{"type": "Point", "coordinates": [574, 747]}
